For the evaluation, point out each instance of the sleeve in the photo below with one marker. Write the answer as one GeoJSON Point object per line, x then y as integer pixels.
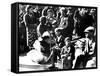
{"type": "Point", "coordinates": [62, 50]}
{"type": "Point", "coordinates": [37, 45]}
{"type": "Point", "coordinates": [92, 49]}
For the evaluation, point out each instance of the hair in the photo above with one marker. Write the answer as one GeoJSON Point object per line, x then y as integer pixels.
{"type": "Point", "coordinates": [27, 8]}
{"type": "Point", "coordinates": [58, 30]}
{"type": "Point", "coordinates": [42, 18]}
{"type": "Point", "coordinates": [67, 39]}
{"type": "Point", "coordinates": [50, 10]}
{"type": "Point", "coordinates": [45, 37]}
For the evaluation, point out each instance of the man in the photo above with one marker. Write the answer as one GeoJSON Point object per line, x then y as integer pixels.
{"type": "Point", "coordinates": [89, 49]}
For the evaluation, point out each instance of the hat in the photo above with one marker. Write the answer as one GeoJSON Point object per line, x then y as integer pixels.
{"type": "Point", "coordinates": [69, 8]}
{"type": "Point", "coordinates": [62, 9]}
{"type": "Point", "coordinates": [89, 29]}
{"type": "Point", "coordinates": [45, 37]}
{"type": "Point", "coordinates": [42, 18]}
{"type": "Point", "coordinates": [67, 39]}
{"type": "Point", "coordinates": [29, 6]}
{"type": "Point", "coordinates": [46, 34]}
{"type": "Point", "coordinates": [50, 10]}
{"type": "Point", "coordinates": [58, 29]}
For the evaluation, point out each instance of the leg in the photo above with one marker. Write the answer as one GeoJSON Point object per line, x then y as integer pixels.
{"type": "Point", "coordinates": [78, 61]}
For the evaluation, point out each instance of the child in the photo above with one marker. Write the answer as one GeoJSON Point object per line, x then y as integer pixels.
{"type": "Point", "coordinates": [67, 54]}
{"type": "Point", "coordinates": [56, 49]}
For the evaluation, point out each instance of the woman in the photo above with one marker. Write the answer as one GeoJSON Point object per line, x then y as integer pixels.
{"type": "Point", "coordinates": [31, 21]}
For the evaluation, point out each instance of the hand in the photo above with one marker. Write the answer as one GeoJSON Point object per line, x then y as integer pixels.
{"type": "Point", "coordinates": [83, 53]}
{"type": "Point", "coordinates": [69, 58]}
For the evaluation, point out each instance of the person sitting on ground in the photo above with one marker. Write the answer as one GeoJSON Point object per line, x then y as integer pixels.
{"type": "Point", "coordinates": [41, 50]}
{"type": "Point", "coordinates": [56, 49]}
{"type": "Point", "coordinates": [89, 51]}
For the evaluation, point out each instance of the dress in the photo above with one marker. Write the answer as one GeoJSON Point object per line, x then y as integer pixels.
{"type": "Point", "coordinates": [40, 53]}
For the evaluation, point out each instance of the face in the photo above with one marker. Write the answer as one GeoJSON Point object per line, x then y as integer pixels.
{"type": "Point", "coordinates": [92, 11]}
{"type": "Point", "coordinates": [36, 9]}
{"type": "Point", "coordinates": [48, 40]}
{"type": "Point", "coordinates": [83, 11]}
{"type": "Point", "coordinates": [57, 33]}
{"type": "Point", "coordinates": [67, 42]}
{"type": "Point", "coordinates": [62, 13]}
{"type": "Point", "coordinates": [31, 10]}
{"type": "Point", "coordinates": [89, 34]}
{"type": "Point", "coordinates": [70, 12]}
{"type": "Point", "coordinates": [86, 35]}
{"type": "Point", "coordinates": [50, 14]}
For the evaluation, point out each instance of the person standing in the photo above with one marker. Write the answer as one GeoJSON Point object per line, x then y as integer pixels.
{"type": "Point", "coordinates": [31, 22]}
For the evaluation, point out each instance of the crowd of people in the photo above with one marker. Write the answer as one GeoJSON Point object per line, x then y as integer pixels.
{"type": "Point", "coordinates": [54, 33]}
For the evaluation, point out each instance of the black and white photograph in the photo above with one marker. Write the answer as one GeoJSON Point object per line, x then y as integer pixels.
{"type": "Point", "coordinates": [56, 37]}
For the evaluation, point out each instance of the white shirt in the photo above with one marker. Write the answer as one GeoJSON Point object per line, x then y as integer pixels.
{"type": "Point", "coordinates": [58, 38]}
